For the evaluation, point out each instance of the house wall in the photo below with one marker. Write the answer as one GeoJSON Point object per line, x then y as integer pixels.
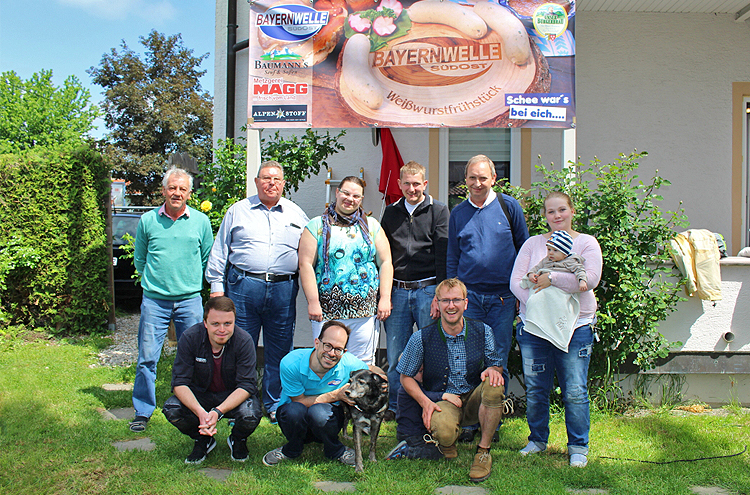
{"type": "Point", "coordinates": [663, 83]}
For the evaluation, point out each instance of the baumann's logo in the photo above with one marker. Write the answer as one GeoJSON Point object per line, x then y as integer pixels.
{"type": "Point", "coordinates": [291, 22]}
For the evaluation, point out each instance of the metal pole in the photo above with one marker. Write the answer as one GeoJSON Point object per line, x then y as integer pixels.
{"type": "Point", "coordinates": [231, 66]}
{"type": "Point", "coordinates": [112, 322]}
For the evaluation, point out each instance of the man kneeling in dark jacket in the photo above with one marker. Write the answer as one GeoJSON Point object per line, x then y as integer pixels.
{"type": "Point", "coordinates": [214, 375]}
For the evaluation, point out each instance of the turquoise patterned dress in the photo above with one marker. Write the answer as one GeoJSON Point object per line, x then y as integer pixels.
{"type": "Point", "coordinates": [350, 288]}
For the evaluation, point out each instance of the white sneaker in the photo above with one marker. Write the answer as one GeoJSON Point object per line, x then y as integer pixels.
{"type": "Point", "coordinates": [532, 448]}
{"type": "Point", "coordinates": [578, 460]}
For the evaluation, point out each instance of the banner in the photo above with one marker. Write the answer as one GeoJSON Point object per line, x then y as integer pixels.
{"type": "Point", "coordinates": [425, 63]}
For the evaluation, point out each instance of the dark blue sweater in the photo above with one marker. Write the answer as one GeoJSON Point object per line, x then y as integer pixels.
{"type": "Point", "coordinates": [483, 244]}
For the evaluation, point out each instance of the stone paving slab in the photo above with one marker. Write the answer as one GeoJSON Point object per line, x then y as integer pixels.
{"type": "Point", "coordinates": [220, 475]}
{"type": "Point", "coordinates": [114, 387]}
{"type": "Point", "coordinates": [460, 490]}
{"type": "Point", "coordinates": [335, 486]}
{"type": "Point", "coordinates": [144, 444]}
{"type": "Point", "coordinates": [710, 490]}
{"type": "Point", "coordinates": [123, 412]}
{"type": "Point", "coordinates": [106, 415]}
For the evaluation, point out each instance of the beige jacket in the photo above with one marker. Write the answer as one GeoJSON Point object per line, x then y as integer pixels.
{"type": "Point", "coordinates": [696, 254]}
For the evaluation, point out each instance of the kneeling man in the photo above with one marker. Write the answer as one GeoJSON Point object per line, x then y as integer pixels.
{"type": "Point", "coordinates": [214, 375]}
{"type": "Point", "coordinates": [460, 364]}
{"type": "Point", "coordinates": [313, 382]}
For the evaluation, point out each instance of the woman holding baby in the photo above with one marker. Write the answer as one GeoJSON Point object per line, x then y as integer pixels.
{"type": "Point", "coordinates": [557, 310]}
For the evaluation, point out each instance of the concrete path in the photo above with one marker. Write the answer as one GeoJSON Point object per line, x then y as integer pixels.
{"type": "Point", "coordinates": [119, 413]}
{"type": "Point", "coordinates": [114, 387]}
{"type": "Point", "coordinates": [335, 486]}
{"type": "Point", "coordinates": [219, 475]}
{"type": "Point", "coordinates": [710, 490]}
{"type": "Point", "coordinates": [144, 444]}
{"type": "Point", "coordinates": [460, 490]}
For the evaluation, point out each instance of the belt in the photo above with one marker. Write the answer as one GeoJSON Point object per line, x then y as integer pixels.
{"type": "Point", "coordinates": [268, 277]}
{"type": "Point", "coordinates": [414, 285]}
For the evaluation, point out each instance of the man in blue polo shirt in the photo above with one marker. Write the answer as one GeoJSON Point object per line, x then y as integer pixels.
{"type": "Point", "coordinates": [313, 382]}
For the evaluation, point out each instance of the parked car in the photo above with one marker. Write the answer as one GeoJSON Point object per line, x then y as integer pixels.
{"type": "Point", "coordinates": [125, 221]}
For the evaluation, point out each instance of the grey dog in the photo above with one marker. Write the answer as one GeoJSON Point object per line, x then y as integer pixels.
{"type": "Point", "coordinates": [369, 391]}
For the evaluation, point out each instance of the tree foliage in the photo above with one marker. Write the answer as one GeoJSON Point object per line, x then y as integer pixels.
{"type": "Point", "coordinates": [153, 106]}
{"type": "Point", "coordinates": [35, 112]}
{"type": "Point", "coordinates": [302, 157]}
{"type": "Point", "coordinates": [639, 286]}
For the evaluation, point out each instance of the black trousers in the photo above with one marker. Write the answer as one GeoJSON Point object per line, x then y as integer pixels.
{"type": "Point", "coordinates": [246, 416]}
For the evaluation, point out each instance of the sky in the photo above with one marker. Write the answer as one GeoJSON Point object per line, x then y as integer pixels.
{"type": "Point", "coordinates": [70, 36]}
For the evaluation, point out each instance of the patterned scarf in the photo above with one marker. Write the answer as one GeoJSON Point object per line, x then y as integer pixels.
{"type": "Point", "coordinates": [332, 217]}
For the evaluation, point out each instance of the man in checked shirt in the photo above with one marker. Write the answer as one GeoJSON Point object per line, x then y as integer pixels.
{"type": "Point", "coordinates": [461, 361]}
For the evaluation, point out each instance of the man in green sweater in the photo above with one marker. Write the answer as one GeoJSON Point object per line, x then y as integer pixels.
{"type": "Point", "coordinates": [172, 245]}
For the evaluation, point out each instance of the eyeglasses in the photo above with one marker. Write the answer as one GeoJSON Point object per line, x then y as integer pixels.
{"type": "Point", "coordinates": [354, 197]}
{"type": "Point", "coordinates": [455, 301]}
{"type": "Point", "coordinates": [336, 350]}
{"type": "Point", "coordinates": [275, 180]}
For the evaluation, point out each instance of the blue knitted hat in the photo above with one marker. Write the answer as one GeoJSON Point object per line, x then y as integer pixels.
{"type": "Point", "coordinates": [561, 241]}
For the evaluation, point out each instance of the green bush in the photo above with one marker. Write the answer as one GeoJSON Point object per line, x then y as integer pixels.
{"type": "Point", "coordinates": [223, 182]}
{"type": "Point", "coordinates": [639, 286]}
{"type": "Point", "coordinates": [15, 258]}
{"type": "Point", "coordinates": [52, 215]}
{"type": "Point", "coordinates": [302, 156]}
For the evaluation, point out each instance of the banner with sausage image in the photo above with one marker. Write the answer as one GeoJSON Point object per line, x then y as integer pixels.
{"type": "Point", "coordinates": [406, 63]}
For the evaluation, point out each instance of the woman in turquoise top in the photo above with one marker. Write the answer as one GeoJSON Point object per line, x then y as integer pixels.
{"type": "Point", "coordinates": [346, 270]}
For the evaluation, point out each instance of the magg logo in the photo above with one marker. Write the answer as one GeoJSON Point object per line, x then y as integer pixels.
{"type": "Point", "coordinates": [291, 22]}
{"type": "Point", "coordinates": [280, 89]}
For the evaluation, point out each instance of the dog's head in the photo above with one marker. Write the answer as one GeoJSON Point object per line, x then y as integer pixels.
{"type": "Point", "coordinates": [367, 389]}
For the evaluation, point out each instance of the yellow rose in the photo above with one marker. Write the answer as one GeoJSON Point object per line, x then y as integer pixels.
{"type": "Point", "coordinates": [206, 205]}
{"type": "Point", "coordinates": [213, 189]}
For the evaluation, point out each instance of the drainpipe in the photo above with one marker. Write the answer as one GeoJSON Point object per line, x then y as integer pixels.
{"type": "Point", "coordinates": [232, 48]}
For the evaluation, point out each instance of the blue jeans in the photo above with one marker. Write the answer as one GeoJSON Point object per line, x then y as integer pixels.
{"type": "Point", "coordinates": [498, 311]}
{"type": "Point", "coordinates": [152, 329]}
{"type": "Point", "coordinates": [409, 306]}
{"type": "Point", "coordinates": [541, 360]}
{"type": "Point", "coordinates": [272, 306]}
{"type": "Point", "coordinates": [318, 423]}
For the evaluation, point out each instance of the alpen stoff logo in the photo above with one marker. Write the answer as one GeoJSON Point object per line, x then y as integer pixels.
{"type": "Point", "coordinates": [291, 22]}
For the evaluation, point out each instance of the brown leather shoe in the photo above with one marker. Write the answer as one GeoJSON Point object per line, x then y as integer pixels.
{"type": "Point", "coordinates": [450, 452]}
{"type": "Point", "coordinates": [481, 468]}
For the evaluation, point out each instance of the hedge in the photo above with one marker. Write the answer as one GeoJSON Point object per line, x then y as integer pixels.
{"type": "Point", "coordinates": [52, 211]}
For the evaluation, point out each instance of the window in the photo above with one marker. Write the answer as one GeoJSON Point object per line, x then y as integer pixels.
{"type": "Point", "coordinates": [466, 143]}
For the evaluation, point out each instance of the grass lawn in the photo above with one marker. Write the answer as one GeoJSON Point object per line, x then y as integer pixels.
{"type": "Point", "coordinates": [53, 440]}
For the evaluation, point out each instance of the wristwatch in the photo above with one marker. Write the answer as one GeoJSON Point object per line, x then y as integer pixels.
{"type": "Point", "coordinates": [221, 414]}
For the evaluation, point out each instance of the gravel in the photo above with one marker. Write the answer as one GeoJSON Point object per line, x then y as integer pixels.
{"type": "Point", "coordinates": [124, 350]}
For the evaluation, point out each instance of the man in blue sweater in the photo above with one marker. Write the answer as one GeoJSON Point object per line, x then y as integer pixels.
{"type": "Point", "coordinates": [172, 245]}
{"type": "Point", "coordinates": [485, 233]}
